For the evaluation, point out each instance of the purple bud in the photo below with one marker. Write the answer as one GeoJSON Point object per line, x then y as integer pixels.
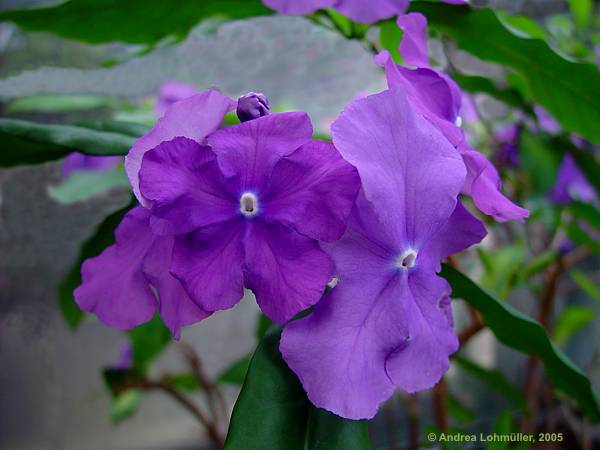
{"type": "Point", "coordinates": [252, 106]}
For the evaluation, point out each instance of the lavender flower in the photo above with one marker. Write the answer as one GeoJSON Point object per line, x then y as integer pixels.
{"type": "Point", "coordinates": [252, 106]}
{"type": "Point", "coordinates": [171, 92]}
{"type": "Point", "coordinates": [79, 162]}
{"type": "Point", "coordinates": [437, 97]}
{"type": "Point", "coordinates": [246, 210]}
{"type": "Point", "coordinates": [357, 10]}
{"type": "Point", "coordinates": [571, 184]}
{"type": "Point", "coordinates": [387, 324]}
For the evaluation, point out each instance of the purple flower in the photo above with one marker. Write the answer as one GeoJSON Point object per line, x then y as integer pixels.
{"type": "Point", "coordinates": [387, 324]}
{"type": "Point", "coordinates": [129, 281]}
{"type": "Point", "coordinates": [195, 117]}
{"type": "Point", "coordinates": [571, 184]}
{"type": "Point", "coordinates": [437, 97]}
{"type": "Point", "coordinates": [248, 210]}
{"type": "Point", "coordinates": [252, 106]}
{"type": "Point", "coordinates": [357, 10]}
{"type": "Point", "coordinates": [78, 162]}
{"type": "Point", "coordinates": [413, 46]}
{"type": "Point", "coordinates": [125, 359]}
{"type": "Point", "coordinates": [171, 92]}
{"type": "Point", "coordinates": [508, 139]}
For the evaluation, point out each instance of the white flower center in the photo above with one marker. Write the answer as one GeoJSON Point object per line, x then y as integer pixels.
{"type": "Point", "coordinates": [248, 204]}
{"type": "Point", "coordinates": [406, 260]}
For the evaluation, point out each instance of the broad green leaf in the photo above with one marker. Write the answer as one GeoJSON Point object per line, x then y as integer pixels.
{"type": "Point", "coordinates": [272, 411]}
{"type": "Point", "coordinates": [103, 237]}
{"type": "Point", "coordinates": [585, 284]}
{"type": "Point", "coordinates": [390, 36]}
{"type": "Point", "coordinates": [526, 335]}
{"type": "Point", "coordinates": [236, 372]}
{"type": "Point", "coordinates": [131, 21]}
{"type": "Point", "coordinates": [571, 320]}
{"type": "Point", "coordinates": [125, 404]}
{"type": "Point", "coordinates": [148, 341]}
{"type": "Point", "coordinates": [25, 142]}
{"type": "Point", "coordinates": [522, 24]}
{"type": "Point", "coordinates": [262, 325]}
{"type": "Point", "coordinates": [582, 11]}
{"type": "Point", "coordinates": [495, 380]}
{"type": "Point", "coordinates": [572, 100]}
{"type": "Point", "coordinates": [81, 185]}
{"type": "Point", "coordinates": [476, 83]}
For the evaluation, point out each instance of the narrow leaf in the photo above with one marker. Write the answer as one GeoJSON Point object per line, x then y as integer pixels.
{"type": "Point", "coordinates": [571, 320]}
{"type": "Point", "coordinates": [524, 334]}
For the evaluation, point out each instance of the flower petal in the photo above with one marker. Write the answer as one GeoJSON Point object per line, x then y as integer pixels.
{"type": "Point", "coordinates": [249, 151]}
{"type": "Point", "coordinates": [413, 46]}
{"type": "Point", "coordinates": [286, 271]}
{"type": "Point", "coordinates": [483, 185]}
{"type": "Point", "coordinates": [184, 184]}
{"type": "Point", "coordinates": [298, 7]}
{"type": "Point", "coordinates": [194, 118]}
{"type": "Point", "coordinates": [313, 190]}
{"type": "Point", "coordinates": [339, 351]}
{"type": "Point", "coordinates": [113, 285]}
{"type": "Point", "coordinates": [79, 162]}
{"type": "Point", "coordinates": [409, 171]}
{"type": "Point", "coordinates": [371, 11]}
{"type": "Point", "coordinates": [425, 358]}
{"type": "Point", "coordinates": [171, 92]}
{"type": "Point", "coordinates": [208, 262]}
{"type": "Point", "coordinates": [176, 308]}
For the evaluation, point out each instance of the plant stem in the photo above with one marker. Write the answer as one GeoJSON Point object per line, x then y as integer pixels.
{"type": "Point", "coordinates": [440, 405]}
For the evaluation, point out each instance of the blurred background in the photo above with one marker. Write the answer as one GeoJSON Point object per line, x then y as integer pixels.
{"type": "Point", "coordinates": [52, 392]}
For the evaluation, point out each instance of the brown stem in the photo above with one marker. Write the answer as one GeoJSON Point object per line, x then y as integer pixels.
{"type": "Point", "coordinates": [440, 405]}
{"type": "Point", "coordinates": [389, 419]}
{"type": "Point", "coordinates": [414, 417]}
{"type": "Point", "coordinates": [216, 402]}
{"type": "Point", "coordinates": [212, 431]}
{"type": "Point", "coordinates": [471, 330]}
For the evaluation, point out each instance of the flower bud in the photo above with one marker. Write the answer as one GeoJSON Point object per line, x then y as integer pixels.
{"type": "Point", "coordinates": [252, 106]}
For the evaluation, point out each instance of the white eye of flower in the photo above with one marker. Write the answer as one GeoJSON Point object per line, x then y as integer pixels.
{"type": "Point", "coordinates": [248, 204]}
{"type": "Point", "coordinates": [458, 121]}
{"type": "Point", "coordinates": [407, 260]}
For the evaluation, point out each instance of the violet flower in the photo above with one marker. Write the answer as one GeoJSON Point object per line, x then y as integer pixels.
{"type": "Point", "coordinates": [129, 281]}
{"type": "Point", "coordinates": [571, 184]}
{"type": "Point", "coordinates": [508, 140]}
{"type": "Point", "coordinates": [387, 324]}
{"type": "Point", "coordinates": [171, 92]}
{"type": "Point", "coordinates": [79, 162]}
{"type": "Point", "coordinates": [438, 98]}
{"type": "Point", "coordinates": [249, 209]}
{"type": "Point", "coordinates": [246, 210]}
{"type": "Point", "coordinates": [252, 106]}
{"type": "Point", "coordinates": [358, 10]}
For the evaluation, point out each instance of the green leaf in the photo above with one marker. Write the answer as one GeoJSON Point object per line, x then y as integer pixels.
{"type": "Point", "coordinates": [476, 83]}
{"type": "Point", "coordinates": [125, 404]}
{"type": "Point", "coordinates": [586, 211]}
{"type": "Point", "coordinates": [272, 411]}
{"type": "Point", "coordinates": [540, 262]}
{"type": "Point", "coordinates": [502, 267]}
{"type": "Point", "coordinates": [390, 36]}
{"type": "Point", "coordinates": [502, 426]}
{"type": "Point", "coordinates": [524, 334]}
{"type": "Point", "coordinates": [571, 320]}
{"type": "Point", "coordinates": [580, 237]}
{"type": "Point", "coordinates": [572, 99]}
{"type": "Point", "coordinates": [184, 382]}
{"type": "Point", "coordinates": [116, 126]}
{"type": "Point", "coordinates": [58, 103]}
{"type": "Point", "coordinates": [582, 11]}
{"type": "Point", "coordinates": [495, 380]}
{"type": "Point", "coordinates": [148, 341]}
{"type": "Point", "coordinates": [131, 21]}
{"type": "Point", "coordinates": [522, 24]}
{"type": "Point", "coordinates": [585, 284]}
{"type": "Point", "coordinates": [262, 325]}
{"type": "Point", "coordinates": [235, 373]}
{"type": "Point", "coordinates": [539, 160]}
{"type": "Point", "coordinates": [81, 185]}
{"type": "Point", "coordinates": [25, 142]}
{"type": "Point", "coordinates": [103, 237]}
